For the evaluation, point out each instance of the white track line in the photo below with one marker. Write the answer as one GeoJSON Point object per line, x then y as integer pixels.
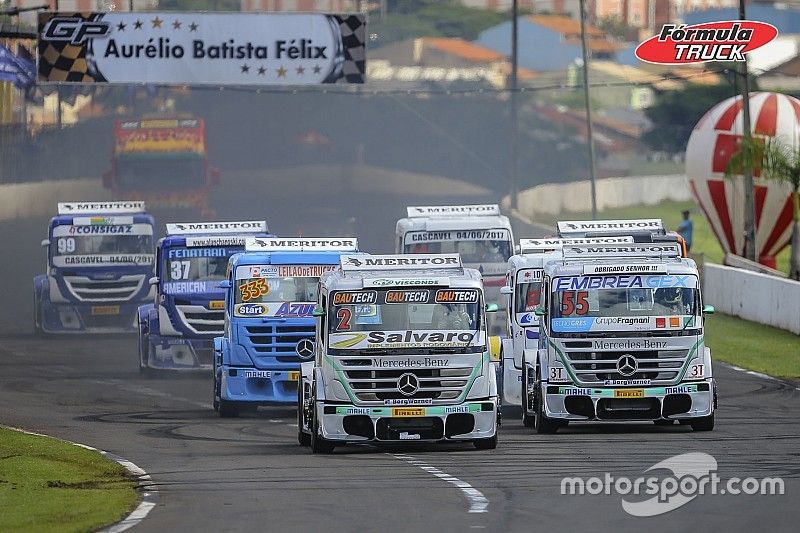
{"type": "Point", "coordinates": [758, 375]}
{"type": "Point", "coordinates": [143, 481]}
{"type": "Point", "coordinates": [477, 501]}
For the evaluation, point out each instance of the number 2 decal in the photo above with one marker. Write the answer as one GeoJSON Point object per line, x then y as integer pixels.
{"type": "Point", "coordinates": [343, 315]}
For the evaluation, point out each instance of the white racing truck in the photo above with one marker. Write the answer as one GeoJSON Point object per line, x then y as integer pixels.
{"type": "Point", "coordinates": [401, 354]}
{"type": "Point", "coordinates": [523, 290]}
{"type": "Point", "coordinates": [479, 233]}
{"type": "Point", "coordinates": [621, 338]}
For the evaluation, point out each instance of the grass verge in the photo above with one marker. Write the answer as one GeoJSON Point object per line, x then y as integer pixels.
{"type": "Point", "coordinates": [704, 240]}
{"type": "Point", "coordinates": [749, 345]}
{"type": "Point", "coordinates": [50, 485]}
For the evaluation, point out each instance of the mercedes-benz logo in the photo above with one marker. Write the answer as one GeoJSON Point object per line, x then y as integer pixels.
{"type": "Point", "coordinates": [627, 365]}
{"type": "Point", "coordinates": [407, 384]}
{"type": "Point", "coordinates": [305, 349]}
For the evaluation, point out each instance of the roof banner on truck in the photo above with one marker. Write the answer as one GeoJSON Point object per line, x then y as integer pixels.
{"type": "Point", "coordinates": [105, 208]}
{"type": "Point", "coordinates": [159, 136]}
{"type": "Point", "coordinates": [201, 228]}
{"type": "Point", "coordinates": [575, 228]}
{"type": "Point", "coordinates": [202, 48]}
{"type": "Point", "coordinates": [304, 244]}
{"type": "Point", "coordinates": [424, 211]}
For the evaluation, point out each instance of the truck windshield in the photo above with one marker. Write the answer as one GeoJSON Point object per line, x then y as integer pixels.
{"type": "Point", "coordinates": [197, 264]}
{"type": "Point", "coordinates": [282, 284]}
{"type": "Point", "coordinates": [406, 318]}
{"type": "Point", "coordinates": [623, 302]}
{"type": "Point", "coordinates": [161, 173]}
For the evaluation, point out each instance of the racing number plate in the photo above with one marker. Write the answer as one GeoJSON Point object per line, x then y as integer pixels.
{"type": "Point", "coordinates": [629, 393]}
{"type": "Point", "coordinates": [408, 411]}
{"type": "Point", "coordinates": [105, 310]}
{"type": "Point", "coordinates": [294, 375]}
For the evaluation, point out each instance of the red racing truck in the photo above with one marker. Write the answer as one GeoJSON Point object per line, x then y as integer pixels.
{"type": "Point", "coordinates": [162, 161]}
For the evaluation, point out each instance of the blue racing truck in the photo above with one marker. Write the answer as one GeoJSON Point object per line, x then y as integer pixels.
{"type": "Point", "coordinates": [177, 330]}
{"type": "Point", "coordinates": [99, 258]}
{"type": "Point", "coordinates": [269, 326]}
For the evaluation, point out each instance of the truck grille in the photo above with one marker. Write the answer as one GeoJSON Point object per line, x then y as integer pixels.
{"type": "Point", "coordinates": [88, 290]}
{"type": "Point", "coordinates": [279, 341]}
{"type": "Point", "coordinates": [201, 320]}
{"type": "Point", "coordinates": [596, 367]}
{"type": "Point", "coordinates": [372, 384]}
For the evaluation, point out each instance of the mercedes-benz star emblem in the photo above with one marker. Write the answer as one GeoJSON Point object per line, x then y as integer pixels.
{"type": "Point", "coordinates": [305, 348]}
{"type": "Point", "coordinates": [407, 384]}
{"type": "Point", "coordinates": [627, 365]}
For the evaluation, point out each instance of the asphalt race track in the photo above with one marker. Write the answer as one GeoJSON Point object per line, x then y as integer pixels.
{"type": "Point", "coordinates": [249, 474]}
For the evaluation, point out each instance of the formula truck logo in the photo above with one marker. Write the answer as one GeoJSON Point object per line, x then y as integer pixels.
{"type": "Point", "coordinates": [74, 30]}
{"type": "Point", "coordinates": [727, 40]}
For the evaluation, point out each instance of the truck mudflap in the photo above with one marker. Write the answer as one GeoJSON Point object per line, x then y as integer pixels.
{"type": "Point", "coordinates": [434, 423]}
{"type": "Point", "coordinates": [178, 353]}
{"type": "Point", "coordinates": [88, 318]}
{"type": "Point", "coordinates": [676, 402]}
{"type": "Point", "coordinates": [253, 385]}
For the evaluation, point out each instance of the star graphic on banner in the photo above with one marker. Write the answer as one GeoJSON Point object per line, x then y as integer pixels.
{"type": "Point", "coordinates": [121, 26]}
{"type": "Point", "coordinates": [176, 24]}
{"type": "Point", "coordinates": [317, 69]}
{"type": "Point", "coordinates": [137, 25]}
{"type": "Point", "coordinates": [262, 71]}
{"type": "Point", "coordinates": [245, 68]}
{"type": "Point", "coordinates": [281, 72]}
{"type": "Point", "coordinates": [193, 26]}
{"type": "Point", "coordinates": [156, 22]}
{"type": "Point", "coordinates": [300, 71]}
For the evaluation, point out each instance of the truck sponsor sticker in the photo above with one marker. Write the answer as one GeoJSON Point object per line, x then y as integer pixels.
{"type": "Point", "coordinates": [406, 282]}
{"type": "Point", "coordinates": [405, 297]}
{"type": "Point", "coordinates": [415, 237]}
{"type": "Point", "coordinates": [245, 226]}
{"type": "Point", "coordinates": [78, 230]}
{"type": "Point", "coordinates": [425, 211]}
{"type": "Point", "coordinates": [188, 287]}
{"type": "Point", "coordinates": [216, 304]}
{"type": "Point", "coordinates": [276, 309]}
{"type": "Point", "coordinates": [338, 244]}
{"type": "Point", "coordinates": [191, 253]}
{"type": "Point", "coordinates": [427, 411]}
{"type": "Point", "coordinates": [620, 323]}
{"type": "Point", "coordinates": [408, 401]}
{"type": "Point", "coordinates": [232, 240]}
{"type": "Point", "coordinates": [619, 226]}
{"type": "Point", "coordinates": [103, 260]}
{"type": "Point", "coordinates": [400, 262]}
{"type": "Point", "coordinates": [282, 271]}
{"type": "Point", "coordinates": [572, 283]}
{"type": "Point", "coordinates": [628, 393]}
{"type": "Point", "coordinates": [74, 208]}
{"type": "Point", "coordinates": [99, 310]}
{"type": "Point", "coordinates": [406, 339]}
{"type": "Point", "coordinates": [456, 296]}
{"type": "Point", "coordinates": [264, 374]}
{"type": "Point", "coordinates": [407, 412]}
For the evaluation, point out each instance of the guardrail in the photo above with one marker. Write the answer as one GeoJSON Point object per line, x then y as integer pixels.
{"type": "Point", "coordinates": [753, 296]}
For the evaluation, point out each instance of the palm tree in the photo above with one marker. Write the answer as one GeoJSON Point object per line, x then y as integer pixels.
{"type": "Point", "coordinates": [779, 162]}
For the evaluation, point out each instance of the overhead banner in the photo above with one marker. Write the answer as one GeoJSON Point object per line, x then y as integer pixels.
{"type": "Point", "coordinates": [202, 48]}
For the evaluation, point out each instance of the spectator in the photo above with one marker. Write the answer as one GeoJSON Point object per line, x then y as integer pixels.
{"type": "Point", "coordinates": [685, 229]}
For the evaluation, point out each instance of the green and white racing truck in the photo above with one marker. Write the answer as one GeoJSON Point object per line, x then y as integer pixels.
{"type": "Point", "coordinates": [401, 354]}
{"type": "Point", "coordinates": [621, 338]}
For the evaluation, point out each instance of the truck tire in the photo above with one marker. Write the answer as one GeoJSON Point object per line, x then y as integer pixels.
{"type": "Point", "coordinates": [705, 423]}
{"type": "Point", "coordinates": [303, 439]}
{"type": "Point", "coordinates": [319, 444]}
{"type": "Point", "coordinates": [486, 444]}
{"type": "Point", "coordinates": [544, 425]}
{"type": "Point", "coordinates": [527, 420]}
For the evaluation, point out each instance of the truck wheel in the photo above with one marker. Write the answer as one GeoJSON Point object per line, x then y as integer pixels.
{"type": "Point", "coordinates": [303, 438]}
{"type": "Point", "coordinates": [527, 420]}
{"type": "Point", "coordinates": [543, 424]}
{"type": "Point", "coordinates": [215, 393]}
{"type": "Point", "coordinates": [705, 423]}
{"type": "Point", "coordinates": [144, 355]}
{"type": "Point", "coordinates": [486, 444]}
{"type": "Point", "coordinates": [319, 444]}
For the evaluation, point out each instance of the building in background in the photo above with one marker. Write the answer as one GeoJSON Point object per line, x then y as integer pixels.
{"type": "Point", "coordinates": [307, 6]}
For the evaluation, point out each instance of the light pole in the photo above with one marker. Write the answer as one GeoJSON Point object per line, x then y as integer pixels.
{"type": "Point", "coordinates": [513, 102]}
{"type": "Point", "coordinates": [589, 134]}
{"type": "Point", "coordinates": [749, 204]}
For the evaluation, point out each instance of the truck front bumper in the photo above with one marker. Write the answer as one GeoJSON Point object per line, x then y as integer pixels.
{"type": "Point", "coordinates": [468, 421]}
{"type": "Point", "coordinates": [89, 318]}
{"type": "Point", "coordinates": [179, 353]}
{"type": "Point", "coordinates": [257, 386]}
{"type": "Point", "coordinates": [679, 402]}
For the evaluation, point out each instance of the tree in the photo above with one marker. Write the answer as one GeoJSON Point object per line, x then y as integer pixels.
{"type": "Point", "coordinates": [778, 162]}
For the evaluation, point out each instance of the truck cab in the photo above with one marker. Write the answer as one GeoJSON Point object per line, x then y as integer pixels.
{"type": "Point", "coordinates": [269, 327]}
{"type": "Point", "coordinates": [401, 354]}
{"type": "Point", "coordinates": [621, 337]}
{"type": "Point", "coordinates": [479, 233]}
{"type": "Point", "coordinates": [177, 329]}
{"type": "Point", "coordinates": [99, 258]}
{"type": "Point", "coordinates": [523, 295]}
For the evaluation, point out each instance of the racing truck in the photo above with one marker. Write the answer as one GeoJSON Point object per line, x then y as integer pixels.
{"type": "Point", "coordinates": [620, 338]}
{"type": "Point", "coordinates": [269, 327]}
{"type": "Point", "coordinates": [523, 295]}
{"type": "Point", "coordinates": [177, 329]}
{"type": "Point", "coordinates": [163, 161]}
{"type": "Point", "coordinates": [479, 233]}
{"type": "Point", "coordinates": [99, 257]}
{"type": "Point", "coordinates": [401, 355]}
{"type": "Point", "coordinates": [641, 230]}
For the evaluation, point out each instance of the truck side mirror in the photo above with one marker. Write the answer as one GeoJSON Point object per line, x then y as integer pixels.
{"type": "Point", "coordinates": [506, 289]}
{"type": "Point", "coordinates": [492, 308]}
{"type": "Point", "coordinates": [318, 311]}
{"type": "Point", "coordinates": [153, 280]}
{"type": "Point", "coordinates": [540, 311]}
{"type": "Point", "coordinates": [709, 310]}
{"type": "Point", "coordinates": [214, 175]}
{"type": "Point", "coordinates": [45, 242]}
{"type": "Point", "coordinates": [225, 284]}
